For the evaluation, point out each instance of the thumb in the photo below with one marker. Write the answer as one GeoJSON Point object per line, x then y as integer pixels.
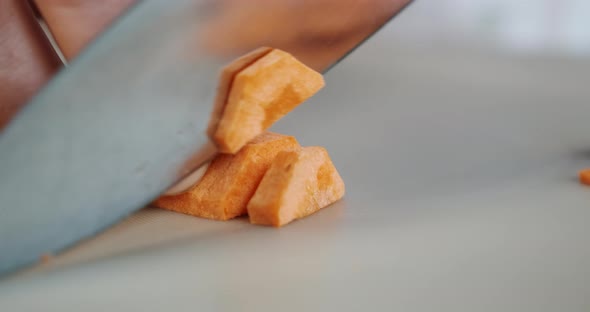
{"type": "Point", "coordinates": [74, 23]}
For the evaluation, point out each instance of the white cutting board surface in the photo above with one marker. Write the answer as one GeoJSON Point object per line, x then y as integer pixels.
{"type": "Point", "coordinates": [460, 164]}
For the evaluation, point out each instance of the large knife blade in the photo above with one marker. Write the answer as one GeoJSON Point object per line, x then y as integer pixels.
{"type": "Point", "coordinates": [127, 118]}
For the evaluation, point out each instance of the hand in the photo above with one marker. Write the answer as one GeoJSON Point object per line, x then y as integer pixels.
{"type": "Point", "coordinates": [27, 60]}
{"type": "Point", "coordinates": [302, 28]}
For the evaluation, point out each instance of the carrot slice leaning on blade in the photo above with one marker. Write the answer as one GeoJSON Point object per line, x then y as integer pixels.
{"type": "Point", "coordinates": [226, 79]}
{"type": "Point", "coordinates": [259, 94]}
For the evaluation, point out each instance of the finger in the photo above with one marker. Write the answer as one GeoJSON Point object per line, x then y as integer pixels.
{"type": "Point", "coordinates": [26, 58]}
{"type": "Point", "coordinates": [74, 23]}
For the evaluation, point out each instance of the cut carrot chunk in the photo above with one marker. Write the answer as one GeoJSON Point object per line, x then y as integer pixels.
{"type": "Point", "coordinates": [231, 180]}
{"type": "Point", "coordinates": [297, 184]}
{"type": "Point", "coordinates": [585, 176]}
{"type": "Point", "coordinates": [259, 95]}
{"type": "Point", "coordinates": [225, 83]}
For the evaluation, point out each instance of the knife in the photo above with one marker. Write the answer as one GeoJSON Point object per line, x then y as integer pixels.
{"type": "Point", "coordinates": [126, 119]}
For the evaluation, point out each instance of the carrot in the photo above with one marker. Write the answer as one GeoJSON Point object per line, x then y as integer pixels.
{"type": "Point", "coordinates": [231, 180]}
{"type": "Point", "coordinates": [259, 94]}
{"type": "Point", "coordinates": [254, 92]}
{"type": "Point", "coordinates": [45, 258]}
{"type": "Point", "coordinates": [297, 184]}
{"type": "Point", "coordinates": [225, 83]}
{"type": "Point", "coordinates": [585, 176]}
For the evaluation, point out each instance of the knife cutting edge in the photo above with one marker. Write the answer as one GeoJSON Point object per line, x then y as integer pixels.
{"type": "Point", "coordinates": [127, 118]}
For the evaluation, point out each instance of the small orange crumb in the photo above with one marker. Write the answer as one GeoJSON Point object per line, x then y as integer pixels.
{"type": "Point", "coordinates": [585, 176]}
{"type": "Point", "coordinates": [45, 258]}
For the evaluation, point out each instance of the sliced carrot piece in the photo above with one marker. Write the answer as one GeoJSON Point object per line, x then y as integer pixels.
{"type": "Point", "coordinates": [585, 176]}
{"type": "Point", "coordinates": [231, 180]}
{"type": "Point", "coordinates": [225, 83]}
{"type": "Point", "coordinates": [259, 95]}
{"type": "Point", "coordinates": [297, 184]}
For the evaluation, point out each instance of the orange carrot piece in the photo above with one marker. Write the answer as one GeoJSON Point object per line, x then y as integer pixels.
{"type": "Point", "coordinates": [260, 94]}
{"type": "Point", "coordinates": [297, 184]}
{"type": "Point", "coordinates": [231, 180]}
{"type": "Point", "coordinates": [585, 176]}
{"type": "Point", "coordinates": [225, 83]}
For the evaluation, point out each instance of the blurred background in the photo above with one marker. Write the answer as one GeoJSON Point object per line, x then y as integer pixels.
{"type": "Point", "coordinates": [524, 26]}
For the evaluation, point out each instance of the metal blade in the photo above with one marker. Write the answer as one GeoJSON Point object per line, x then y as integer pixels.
{"type": "Point", "coordinates": [126, 119]}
